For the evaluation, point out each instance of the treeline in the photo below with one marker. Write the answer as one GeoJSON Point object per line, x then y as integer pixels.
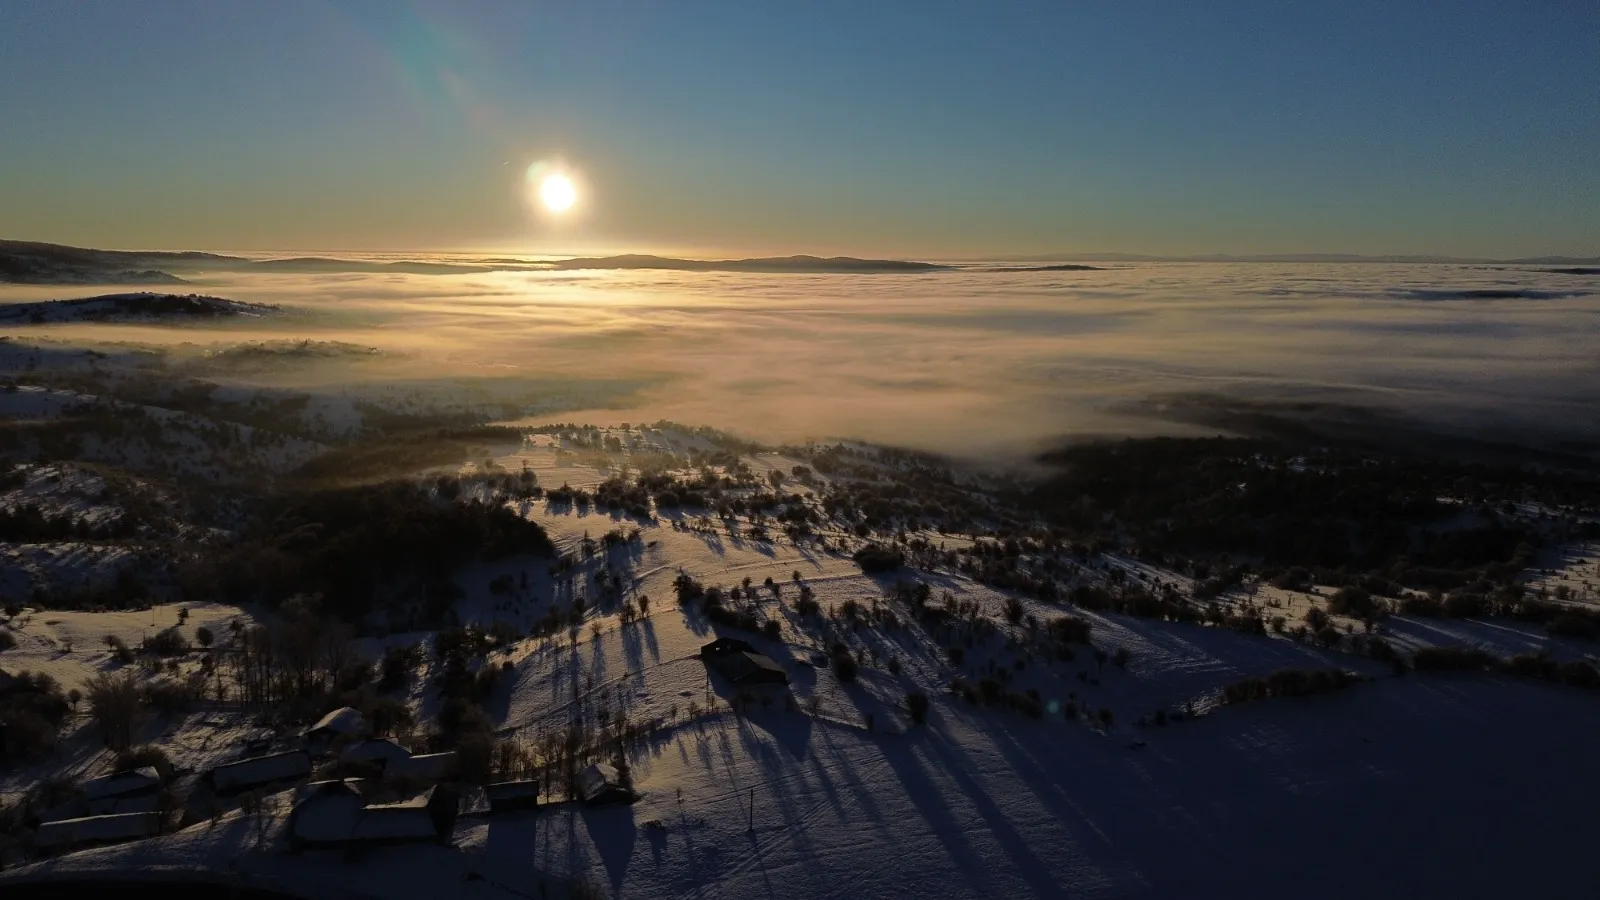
{"type": "Point", "coordinates": [1289, 683]}
{"type": "Point", "coordinates": [1333, 509]}
{"type": "Point", "coordinates": [389, 453]}
{"type": "Point", "coordinates": [355, 545]}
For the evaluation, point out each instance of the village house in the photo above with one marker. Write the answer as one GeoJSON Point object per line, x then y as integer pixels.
{"type": "Point", "coordinates": [346, 722]}
{"type": "Point", "coordinates": [601, 783]}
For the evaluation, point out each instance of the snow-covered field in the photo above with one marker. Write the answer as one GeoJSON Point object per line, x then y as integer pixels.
{"type": "Point", "coordinates": [1462, 785]}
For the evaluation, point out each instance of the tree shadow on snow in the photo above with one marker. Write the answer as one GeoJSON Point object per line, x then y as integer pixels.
{"type": "Point", "coordinates": [613, 832]}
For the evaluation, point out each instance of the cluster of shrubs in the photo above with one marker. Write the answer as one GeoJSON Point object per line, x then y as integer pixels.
{"type": "Point", "coordinates": [990, 692]}
{"type": "Point", "coordinates": [1166, 606]}
{"type": "Point", "coordinates": [617, 493]}
{"type": "Point", "coordinates": [1558, 619]}
{"type": "Point", "coordinates": [874, 558]}
{"type": "Point", "coordinates": [32, 710]}
{"type": "Point", "coordinates": [711, 602]}
{"type": "Point", "coordinates": [1452, 659]}
{"type": "Point", "coordinates": [568, 495]}
{"type": "Point", "coordinates": [166, 642]}
{"type": "Point", "coordinates": [1289, 683]}
{"type": "Point", "coordinates": [1578, 673]}
{"type": "Point", "coordinates": [844, 664]}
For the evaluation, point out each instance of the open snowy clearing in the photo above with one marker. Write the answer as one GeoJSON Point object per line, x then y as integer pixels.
{"type": "Point", "coordinates": [1334, 797]}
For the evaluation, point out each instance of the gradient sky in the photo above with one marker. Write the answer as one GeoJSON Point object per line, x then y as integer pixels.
{"type": "Point", "coordinates": [1468, 127]}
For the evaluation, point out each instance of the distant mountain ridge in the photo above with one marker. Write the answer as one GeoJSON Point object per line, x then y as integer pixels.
{"type": "Point", "coordinates": [796, 264]}
{"type": "Point", "coordinates": [33, 262]}
{"type": "Point", "coordinates": [1301, 258]}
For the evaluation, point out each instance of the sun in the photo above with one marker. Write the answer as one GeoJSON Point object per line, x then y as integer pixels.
{"type": "Point", "coordinates": [557, 193]}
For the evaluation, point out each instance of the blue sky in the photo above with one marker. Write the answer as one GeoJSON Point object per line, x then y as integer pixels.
{"type": "Point", "coordinates": [928, 128]}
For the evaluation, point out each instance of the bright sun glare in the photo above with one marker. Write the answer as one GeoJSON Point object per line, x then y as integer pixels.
{"type": "Point", "coordinates": [557, 193]}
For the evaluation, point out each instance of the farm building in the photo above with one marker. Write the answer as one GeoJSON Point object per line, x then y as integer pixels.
{"type": "Point", "coordinates": [432, 766]}
{"type": "Point", "coordinates": [326, 814]}
{"type": "Point", "coordinates": [739, 662]}
{"type": "Point", "coordinates": [128, 791]}
{"type": "Point", "coordinates": [68, 834]}
{"type": "Point", "coordinates": [510, 796]}
{"type": "Point", "coordinates": [333, 814]}
{"type": "Point", "coordinates": [248, 774]}
{"type": "Point", "coordinates": [344, 722]}
{"type": "Point", "coordinates": [126, 783]}
{"type": "Point", "coordinates": [601, 783]}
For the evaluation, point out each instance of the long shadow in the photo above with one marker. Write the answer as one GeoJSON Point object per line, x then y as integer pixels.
{"type": "Point", "coordinates": [613, 832]}
{"type": "Point", "coordinates": [1025, 863]}
{"type": "Point", "coordinates": [649, 629]}
{"type": "Point", "coordinates": [927, 796]}
{"type": "Point", "coordinates": [790, 731]}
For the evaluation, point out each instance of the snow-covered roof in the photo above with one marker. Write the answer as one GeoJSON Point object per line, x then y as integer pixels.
{"type": "Point", "coordinates": [426, 765]}
{"type": "Point", "coordinates": [599, 779]}
{"type": "Point", "coordinates": [328, 813]}
{"type": "Point", "coordinates": [744, 667]}
{"type": "Point", "coordinates": [249, 773]}
{"type": "Point", "coordinates": [375, 750]}
{"type": "Point", "coordinates": [506, 790]}
{"type": "Point", "coordinates": [344, 720]}
{"type": "Point", "coordinates": [118, 784]}
{"type": "Point", "coordinates": [123, 827]}
{"type": "Point", "coordinates": [395, 823]}
{"type": "Point", "coordinates": [334, 813]}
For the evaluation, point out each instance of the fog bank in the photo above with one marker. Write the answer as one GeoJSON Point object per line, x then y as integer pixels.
{"type": "Point", "coordinates": [959, 361]}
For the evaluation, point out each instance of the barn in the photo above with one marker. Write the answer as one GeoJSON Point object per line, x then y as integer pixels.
{"type": "Point", "coordinates": [510, 796]}
{"type": "Point", "coordinates": [68, 834]}
{"type": "Point", "coordinates": [739, 662]}
{"type": "Point", "coordinates": [128, 791]}
{"type": "Point", "coordinates": [333, 814]}
{"type": "Point", "coordinates": [248, 774]}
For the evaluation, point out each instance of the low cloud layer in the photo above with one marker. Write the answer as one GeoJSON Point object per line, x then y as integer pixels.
{"type": "Point", "coordinates": [964, 362]}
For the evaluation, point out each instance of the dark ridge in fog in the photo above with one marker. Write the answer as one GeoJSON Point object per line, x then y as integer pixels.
{"type": "Point", "coordinates": [792, 264]}
{"type": "Point", "coordinates": [137, 307]}
{"type": "Point", "coordinates": [1491, 294]}
{"type": "Point", "coordinates": [1057, 267]}
{"type": "Point", "coordinates": [1573, 271]}
{"type": "Point", "coordinates": [32, 262]}
{"type": "Point", "coordinates": [311, 265]}
{"type": "Point", "coordinates": [1330, 423]}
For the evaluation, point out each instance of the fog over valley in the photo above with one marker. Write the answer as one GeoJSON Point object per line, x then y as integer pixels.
{"type": "Point", "coordinates": [967, 361]}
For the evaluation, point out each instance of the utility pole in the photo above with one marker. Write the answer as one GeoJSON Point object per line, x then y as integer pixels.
{"type": "Point", "coordinates": [752, 809]}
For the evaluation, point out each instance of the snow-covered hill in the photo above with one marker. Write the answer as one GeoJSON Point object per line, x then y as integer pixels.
{"type": "Point", "coordinates": [146, 306]}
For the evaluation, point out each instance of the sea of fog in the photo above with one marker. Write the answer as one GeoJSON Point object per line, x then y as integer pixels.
{"type": "Point", "coordinates": [965, 361]}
